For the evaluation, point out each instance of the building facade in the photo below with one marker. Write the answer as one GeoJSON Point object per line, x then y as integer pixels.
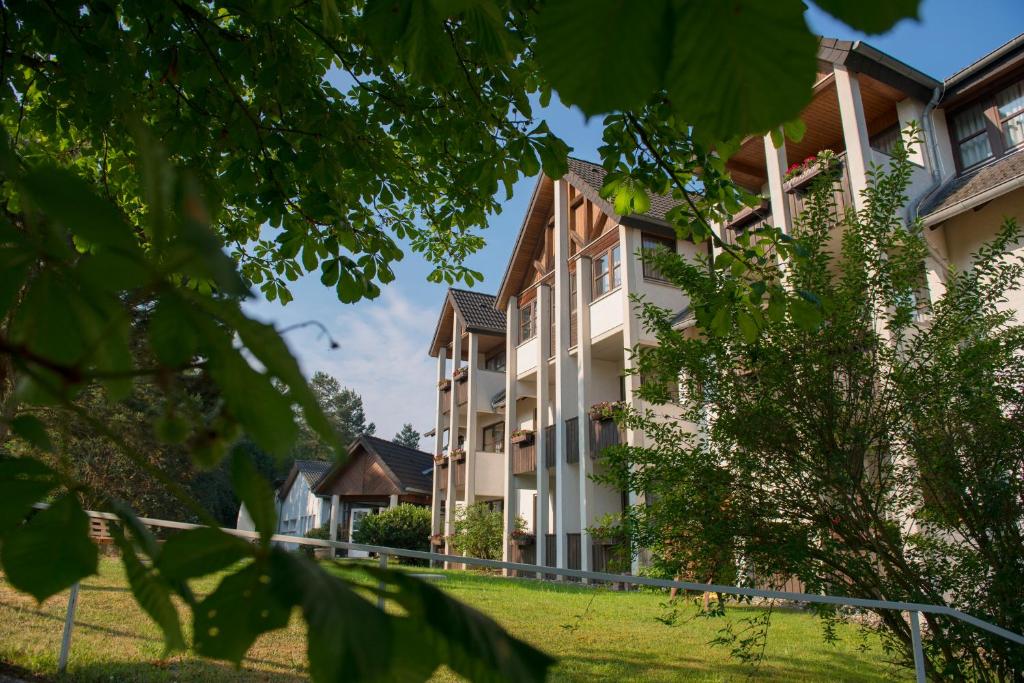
{"type": "Point", "coordinates": [566, 296]}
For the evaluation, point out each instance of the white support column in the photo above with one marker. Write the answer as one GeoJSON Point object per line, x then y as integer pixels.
{"type": "Point", "coordinates": [334, 517]}
{"type": "Point", "coordinates": [776, 164]}
{"type": "Point", "coordinates": [511, 422]}
{"type": "Point", "coordinates": [435, 500]}
{"type": "Point", "coordinates": [564, 370]}
{"type": "Point", "coordinates": [453, 431]}
{"type": "Point", "coordinates": [471, 418]}
{"type": "Point", "coordinates": [630, 336]}
{"type": "Point", "coordinates": [543, 498]}
{"type": "Point", "coordinates": [909, 110]}
{"type": "Point", "coordinates": [936, 263]}
{"type": "Point", "coordinates": [855, 132]}
{"type": "Point", "coordinates": [584, 376]}
{"type": "Point", "coordinates": [393, 500]}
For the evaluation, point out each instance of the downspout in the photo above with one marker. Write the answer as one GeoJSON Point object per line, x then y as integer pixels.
{"type": "Point", "coordinates": [933, 152]}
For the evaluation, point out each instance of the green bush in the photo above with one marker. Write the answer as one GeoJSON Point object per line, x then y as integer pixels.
{"type": "Point", "coordinates": [406, 526]}
{"type": "Point", "coordinates": [322, 533]}
{"type": "Point", "coordinates": [476, 531]}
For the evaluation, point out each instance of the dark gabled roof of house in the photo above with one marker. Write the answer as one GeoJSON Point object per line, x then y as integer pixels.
{"type": "Point", "coordinates": [863, 58]}
{"type": "Point", "coordinates": [961, 189]}
{"type": "Point", "coordinates": [593, 175]}
{"type": "Point", "coordinates": [310, 470]}
{"type": "Point", "coordinates": [407, 464]}
{"type": "Point", "coordinates": [478, 310]}
{"type": "Point", "coordinates": [990, 65]}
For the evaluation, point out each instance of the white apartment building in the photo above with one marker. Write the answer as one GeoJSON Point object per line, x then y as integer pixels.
{"type": "Point", "coordinates": [565, 299]}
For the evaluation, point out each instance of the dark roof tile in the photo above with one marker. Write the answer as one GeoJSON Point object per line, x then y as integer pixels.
{"type": "Point", "coordinates": [313, 470]}
{"type": "Point", "coordinates": [411, 466]}
{"type": "Point", "coordinates": [593, 175]}
{"type": "Point", "coordinates": [479, 311]}
{"type": "Point", "coordinates": [964, 187]}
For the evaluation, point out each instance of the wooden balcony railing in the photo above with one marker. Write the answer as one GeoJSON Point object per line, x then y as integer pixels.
{"type": "Point", "coordinates": [572, 551]}
{"type": "Point", "coordinates": [798, 190]}
{"type": "Point", "coordinates": [442, 473]}
{"type": "Point", "coordinates": [550, 550]}
{"type": "Point", "coordinates": [524, 458]}
{"type": "Point", "coordinates": [461, 392]}
{"type": "Point", "coordinates": [525, 554]}
{"type": "Point", "coordinates": [572, 440]}
{"type": "Point", "coordinates": [609, 558]}
{"type": "Point", "coordinates": [460, 474]}
{"type": "Point", "coordinates": [603, 433]}
{"type": "Point", "coordinates": [549, 446]}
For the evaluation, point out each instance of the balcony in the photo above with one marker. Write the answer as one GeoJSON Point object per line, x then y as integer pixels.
{"type": "Point", "coordinates": [442, 474]}
{"type": "Point", "coordinates": [524, 457]}
{"type": "Point", "coordinates": [572, 440]}
{"type": "Point", "coordinates": [603, 433]}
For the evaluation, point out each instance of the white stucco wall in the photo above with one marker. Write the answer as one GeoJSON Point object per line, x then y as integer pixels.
{"type": "Point", "coordinates": [606, 313]}
{"type": "Point", "coordinates": [301, 510]}
{"type": "Point", "coordinates": [526, 357]}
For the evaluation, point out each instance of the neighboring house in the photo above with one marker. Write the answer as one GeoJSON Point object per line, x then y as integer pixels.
{"type": "Point", "coordinates": [376, 474]}
{"type": "Point", "coordinates": [300, 509]}
{"type": "Point", "coordinates": [569, 322]}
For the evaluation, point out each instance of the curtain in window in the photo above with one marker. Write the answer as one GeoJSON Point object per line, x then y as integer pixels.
{"type": "Point", "coordinates": [969, 127]}
{"type": "Point", "coordinates": [1011, 112]}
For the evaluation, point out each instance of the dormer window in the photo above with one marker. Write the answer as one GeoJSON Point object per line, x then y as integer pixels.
{"type": "Point", "coordinates": [989, 128]}
{"type": "Point", "coordinates": [527, 321]}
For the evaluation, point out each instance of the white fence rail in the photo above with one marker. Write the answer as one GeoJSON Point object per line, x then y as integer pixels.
{"type": "Point", "coordinates": [913, 608]}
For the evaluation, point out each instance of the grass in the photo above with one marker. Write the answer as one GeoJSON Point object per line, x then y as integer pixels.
{"type": "Point", "coordinates": [596, 634]}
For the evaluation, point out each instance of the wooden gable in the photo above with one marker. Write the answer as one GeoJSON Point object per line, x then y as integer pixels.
{"type": "Point", "coordinates": [363, 475]}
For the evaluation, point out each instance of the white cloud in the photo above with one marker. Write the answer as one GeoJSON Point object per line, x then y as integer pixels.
{"type": "Point", "coordinates": [383, 356]}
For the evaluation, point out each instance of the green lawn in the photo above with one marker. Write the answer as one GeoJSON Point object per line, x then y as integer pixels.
{"type": "Point", "coordinates": [596, 634]}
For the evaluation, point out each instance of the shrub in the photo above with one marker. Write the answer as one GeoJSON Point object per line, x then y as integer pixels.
{"type": "Point", "coordinates": [476, 531]}
{"type": "Point", "coordinates": [406, 526]}
{"type": "Point", "coordinates": [321, 532]}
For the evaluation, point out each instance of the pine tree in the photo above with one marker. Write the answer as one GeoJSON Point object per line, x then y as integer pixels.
{"type": "Point", "coordinates": [408, 437]}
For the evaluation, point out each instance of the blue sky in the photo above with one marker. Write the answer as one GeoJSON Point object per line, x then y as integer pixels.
{"type": "Point", "coordinates": [383, 352]}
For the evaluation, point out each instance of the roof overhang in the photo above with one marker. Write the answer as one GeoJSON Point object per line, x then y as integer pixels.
{"type": "Point", "coordinates": [863, 58]}
{"type": "Point", "coordinates": [964, 83]}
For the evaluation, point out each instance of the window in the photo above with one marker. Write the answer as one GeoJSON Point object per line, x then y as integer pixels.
{"type": "Point", "coordinates": [650, 242]}
{"type": "Point", "coordinates": [527, 321]}
{"type": "Point", "coordinates": [991, 127]}
{"type": "Point", "coordinates": [971, 137]}
{"type": "Point", "coordinates": [607, 271]}
{"type": "Point", "coordinates": [494, 438]}
{"type": "Point", "coordinates": [495, 362]}
{"type": "Point", "coordinates": [1010, 105]}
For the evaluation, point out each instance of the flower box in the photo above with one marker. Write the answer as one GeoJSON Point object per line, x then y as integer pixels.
{"type": "Point", "coordinates": [458, 455]}
{"type": "Point", "coordinates": [523, 539]}
{"type": "Point", "coordinates": [437, 539]}
{"type": "Point", "coordinates": [445, 385]}
{"type": "Point", "coordinates": [521, 436]}
{"type": "Point", "coordinates": [439, 459]}
{"type": "Point", "coordinates": [605, 410]}
{"type": "Point", "coordinates": [461, 375]}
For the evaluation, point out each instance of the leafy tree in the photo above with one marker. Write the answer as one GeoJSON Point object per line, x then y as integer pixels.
{"type": "Point", "coordinates": [477, 531]}
{"type": "Point", "coordinates": [874, 450]}
{"type": "Point", "coordinates": [240, 147]}
{"type": "Point", "coordinates": [408, 437]}
{"type": "Point", "coordinates": [344, 410]}
{"type": "Point", "coordinates": [404, 526]}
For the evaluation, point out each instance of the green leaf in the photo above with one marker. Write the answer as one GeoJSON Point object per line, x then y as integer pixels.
{"type": "Point", "coordinates": [14, 265]}
{"type": "Point", "coordinates": [198, 552]}
{"type": "Point", "coordinates": [871, 16]}
{"type": "Point", "coordinates": [70, 200]}
{"type": "Point", "coordinates": [47, 320]}
{"type": "Point", "coordinates": [52, 551]}
{"type": "Point", "coordinates": [748, 326]}
{"type": "Point", "coordinates": [720, 323]}
{"type": "Point", "coordinates": [254, 491]}
{"type": "Point", "coordinates": [349, 638]}
{"type": "Point", "coordinates": [726, 78]}
{"type": "Point", "coordinates": [23, 483]}
{"type": "Point", "coordinates": [471, 644]}
{"type": "Point", "coordinates": [795, 129]}
{"type": "Point", "coordinates": [243, 606]}
{"type": "Point", "coordinates": [806, 315]}
{"type": "Point", "coordinates": [32, 429]}
{"type": "Point", "coordinates": [595, 77]}
{"type": "Point", "coordinates": [171, 336]}
{"type": "Point", "coordinates": [151, 592]}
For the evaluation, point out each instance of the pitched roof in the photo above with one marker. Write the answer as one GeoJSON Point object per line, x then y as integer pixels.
{"type": "Point", "coordinates": [310, 470]}
{"type": "Point", "coordinates": [476, 309]}
{"type": "Point", "coordinates": [588, 178]}
{"type": "Point", "coordinates": [409, 465]}
{"type": "Point", "coordinates": [959, 191]}
{"type": "Point", "coordinates": [593, 175]}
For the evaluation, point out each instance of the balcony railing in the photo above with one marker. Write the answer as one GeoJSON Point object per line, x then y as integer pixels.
{"type": "Point", "coordinates": [549, 446]}
{"type": "Point", "coordinates": [572, 440]}
{"type": "Point", "coordinates": [461, 392]}
{"type": "Point", "coordinates": [442, 473]}
{"type": "Point", "coordinates": [603, 433]}
{"type": "Point", "coordinates": [798, 196]}
{"type": "Point", "coordinates": [524, 457]}
{"type": "Point", "coordinates": [460, 475]}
